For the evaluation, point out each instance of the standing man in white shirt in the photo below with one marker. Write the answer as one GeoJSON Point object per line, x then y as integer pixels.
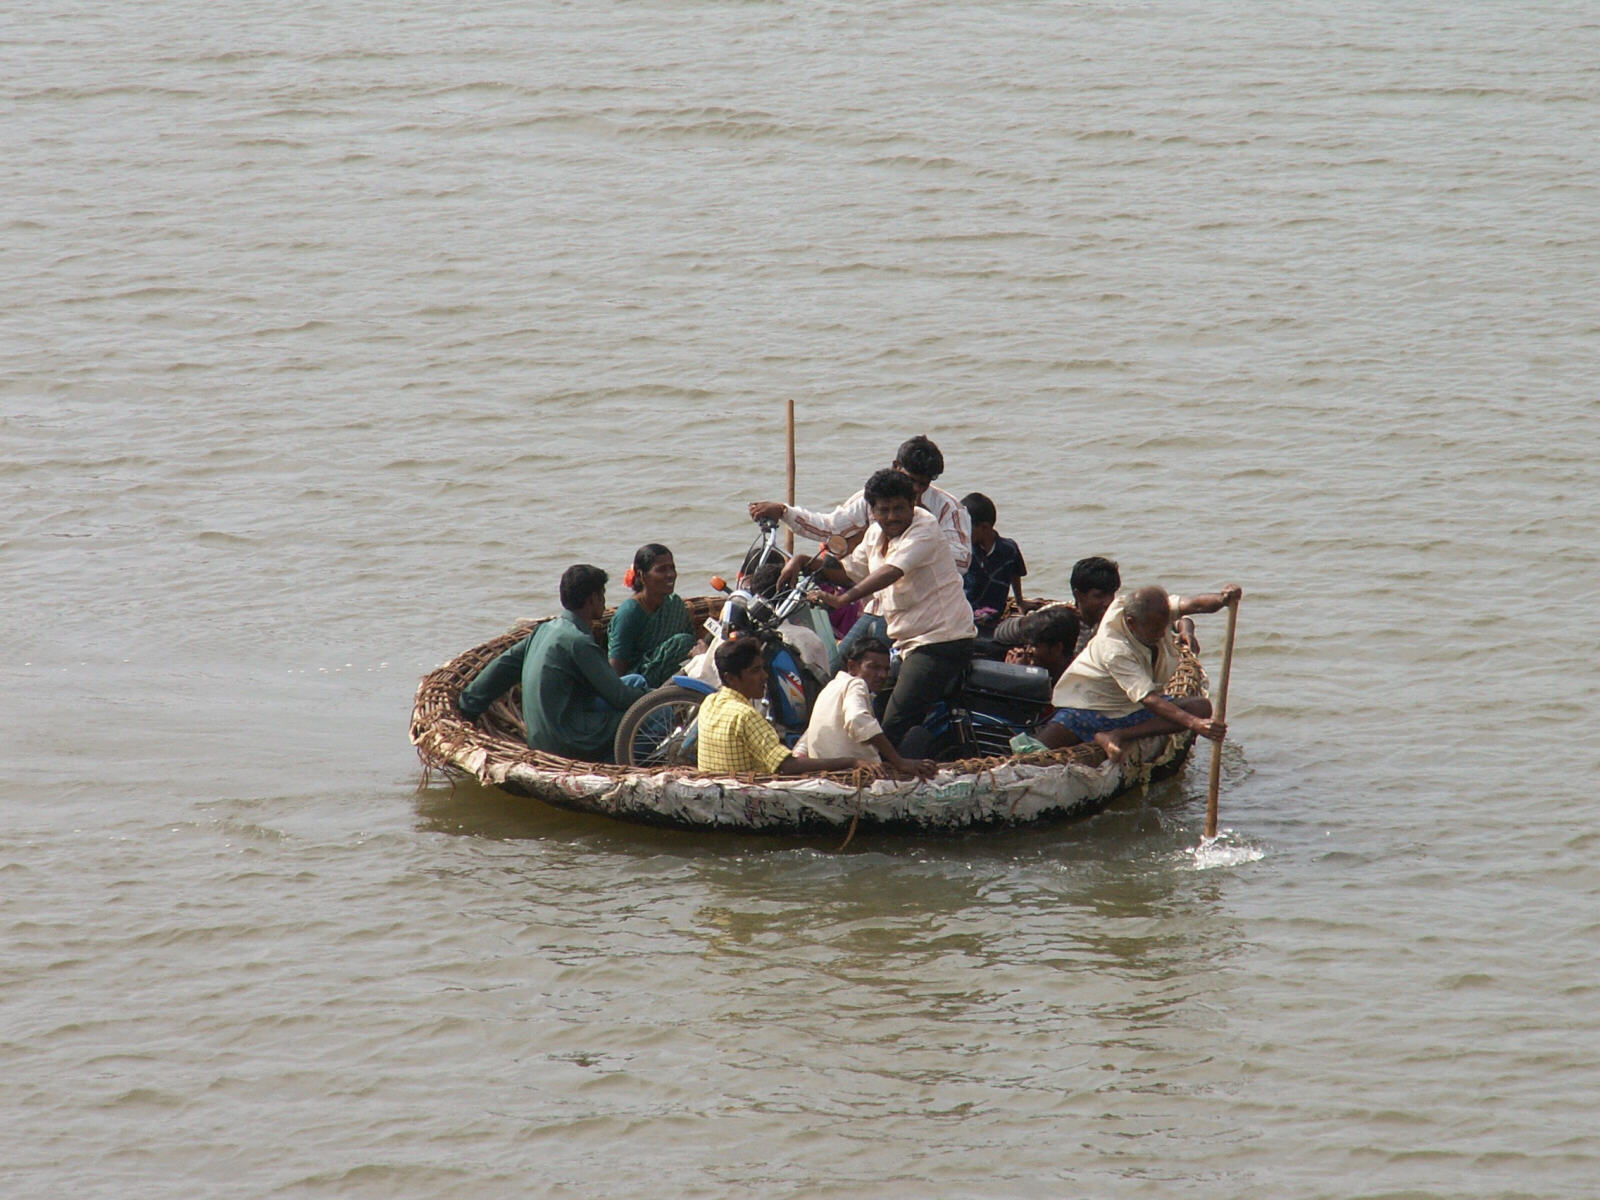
{"type": "Point", "coordinates": [919, 460]}
{"type": "Point", "coordinates": [903, 558]}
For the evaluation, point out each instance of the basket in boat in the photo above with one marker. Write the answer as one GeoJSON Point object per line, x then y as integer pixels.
{"type": "Point", "coordinates": [1060, 785]}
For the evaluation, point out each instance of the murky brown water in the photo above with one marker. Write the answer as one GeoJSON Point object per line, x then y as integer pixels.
{"type": "Point", "coordinates": [333, 333]}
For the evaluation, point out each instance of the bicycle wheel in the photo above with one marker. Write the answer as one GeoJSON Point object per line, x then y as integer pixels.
{"type": "Point", "coordinates": [658, 731]}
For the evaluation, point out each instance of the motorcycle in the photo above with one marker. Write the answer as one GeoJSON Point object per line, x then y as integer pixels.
{"type": "Point", "coordinates": [990, 704]}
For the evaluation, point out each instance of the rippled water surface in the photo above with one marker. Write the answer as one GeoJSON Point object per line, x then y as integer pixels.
{"type": "Point", "coordinates": [333, 332]}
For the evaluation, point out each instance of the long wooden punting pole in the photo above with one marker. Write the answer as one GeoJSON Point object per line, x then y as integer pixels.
{"type": "Point", "coordinates": [789, 537]}
{"type": "Point", "coordinates": [1220, 714]}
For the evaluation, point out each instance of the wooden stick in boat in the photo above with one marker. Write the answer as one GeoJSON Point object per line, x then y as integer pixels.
{"type": "Point", "coordinates": [1220, 714]}
{"type": "Point", "coordinates": [789, 536]}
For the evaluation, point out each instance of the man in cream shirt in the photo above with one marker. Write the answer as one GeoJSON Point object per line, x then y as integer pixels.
{"type": "Point", "coordinates": [919, 460]}
{"type": "Point", "coordinates": [903, 556]}
{"type": "Point", "coordinates": [1112, 694]}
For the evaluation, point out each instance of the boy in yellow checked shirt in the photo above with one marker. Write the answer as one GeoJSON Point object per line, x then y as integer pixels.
{"type": "Point", "coordinates": [735, 739]}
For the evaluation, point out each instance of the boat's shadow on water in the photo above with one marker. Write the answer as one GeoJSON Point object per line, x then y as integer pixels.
{"type": "Point", "coordinates": [900, 920]}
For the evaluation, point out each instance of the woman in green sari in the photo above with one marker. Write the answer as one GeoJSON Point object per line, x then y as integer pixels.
{"type": "Point", "coordinates": [651, 634]}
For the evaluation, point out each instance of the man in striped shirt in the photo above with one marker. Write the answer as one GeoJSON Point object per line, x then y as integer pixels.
{"type": "Point", "coordinates": [920, 461]}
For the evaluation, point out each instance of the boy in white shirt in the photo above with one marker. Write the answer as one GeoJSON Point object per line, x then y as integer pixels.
{"type": "Point", "coordinates": [842, 724]}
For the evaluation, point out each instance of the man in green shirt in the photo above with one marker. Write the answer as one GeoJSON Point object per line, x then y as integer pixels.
{"type": "Point", "coordinates": [572, 701]}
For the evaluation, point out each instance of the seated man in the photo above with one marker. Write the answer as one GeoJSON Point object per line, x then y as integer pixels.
{"type": "Point", "coordinates": [842, 724]}
{"type": "Point", "coordinates": [1094, 586]}
{"type": "Point", "coordinates": [902, 556]}
{"type": "Point", "coordinates": [1051, 636]}
{"type": "Point", "coordinates": [572, 701]}
{"type": "Point", "coordinates": [1112, 693]}
{"type": "Point", "coordinates": [920, 461]}
{"type": "Point", "coordinates": [735, 739]}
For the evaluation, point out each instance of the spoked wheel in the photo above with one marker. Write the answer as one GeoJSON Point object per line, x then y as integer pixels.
{"type": "Point", "coordinates": [658, 731]}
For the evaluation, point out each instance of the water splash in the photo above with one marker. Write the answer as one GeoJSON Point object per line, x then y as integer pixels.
{"type": "Point", "coordinates": [1224, 850]}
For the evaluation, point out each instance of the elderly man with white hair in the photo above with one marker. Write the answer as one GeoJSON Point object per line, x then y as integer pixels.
{"type": "Point", "coordinates": [1112, 693]}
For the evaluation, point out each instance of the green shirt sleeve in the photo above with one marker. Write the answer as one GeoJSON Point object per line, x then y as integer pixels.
{"type": "Point", "coordinates": [495, 680]}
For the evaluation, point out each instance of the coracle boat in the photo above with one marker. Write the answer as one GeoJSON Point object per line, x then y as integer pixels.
{"type": "Point", "coordinates": [1061, 785]}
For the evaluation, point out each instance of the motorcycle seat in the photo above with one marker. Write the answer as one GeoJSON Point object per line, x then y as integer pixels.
{"type": "Point", "coordinates": [1012, 681]}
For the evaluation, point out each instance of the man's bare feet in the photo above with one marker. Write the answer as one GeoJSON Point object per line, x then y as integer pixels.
{"type": "Point", "coordinates": [1111, 744]}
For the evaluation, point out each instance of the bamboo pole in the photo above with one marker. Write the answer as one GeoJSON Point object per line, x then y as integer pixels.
{"type": "Point", "coordinates": [1220, 714]}
{"type": "Point", "coordinates": [789, 535]}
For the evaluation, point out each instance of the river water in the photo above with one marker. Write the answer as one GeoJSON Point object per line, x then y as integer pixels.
{"type": "Point", "coordinates": [333, 332]}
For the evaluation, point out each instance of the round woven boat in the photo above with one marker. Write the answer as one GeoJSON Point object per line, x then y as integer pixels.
{"type": "Point", "coordinates": [1060, 785]}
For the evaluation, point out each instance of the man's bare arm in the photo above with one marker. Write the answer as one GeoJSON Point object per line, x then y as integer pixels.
{"type": "Point", "coordinates": [1206, 727]}
{"type": "Point", "coordinates": [874, 582]}
{"type": "Point", "coordinates": [1209, 602]}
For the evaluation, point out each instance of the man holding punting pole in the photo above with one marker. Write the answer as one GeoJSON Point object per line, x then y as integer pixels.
{"type": "Point", "coordinates": [1112, 693]}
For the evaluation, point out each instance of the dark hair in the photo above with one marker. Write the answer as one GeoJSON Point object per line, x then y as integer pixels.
{"type": "Point", "coordinates": [1095, 574]}
{"type": "Point", "coordinates": [1057, 625]}
{"type": "Point", "coordinates": [979, 507]}
{"type": "Point", "coordinates": [580, 582]}
{"type": "Point", "coordinates": [736, 657]}
{"type": "Point", "coordinates": [921, 457]}
{"type": "Point", "coordinates": [889, 485]}
{"type": "Point", "coordinates": [758, 555]}
{"type": "Point", "coordinates": [643, 559]}
{"type": "Point", "coordinates": [764, 582]}
{"type": "Point", "coordinates": [866, 646]}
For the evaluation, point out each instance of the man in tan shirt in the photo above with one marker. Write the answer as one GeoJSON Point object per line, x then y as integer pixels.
{"type": "Point", "coordinates": [903, 557]}
{"type": "Point", "coordinates": [1112, 692]}
{"type": "Point", "coordinates": [919, 460]}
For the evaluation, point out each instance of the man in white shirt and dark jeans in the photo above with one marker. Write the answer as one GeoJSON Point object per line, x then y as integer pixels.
{"type": "Point", "coordinates": [904, 557]}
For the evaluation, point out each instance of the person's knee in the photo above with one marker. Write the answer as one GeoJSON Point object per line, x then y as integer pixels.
{"type": "Point", "coordinates": [905, 709]}
{"type": "Point", "coordinates": [1198, 705]}
{"type": "Point", "coordinates": [1055, 735]}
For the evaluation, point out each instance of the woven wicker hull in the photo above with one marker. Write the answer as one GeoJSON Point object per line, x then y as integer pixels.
{"type": "Point", "coordinates": [1066, 785]}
